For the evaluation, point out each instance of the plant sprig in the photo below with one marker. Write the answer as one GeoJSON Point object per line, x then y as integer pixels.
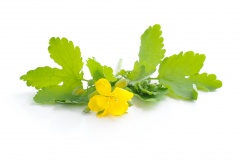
{"type": "Point", "coordinates": [177, 74]}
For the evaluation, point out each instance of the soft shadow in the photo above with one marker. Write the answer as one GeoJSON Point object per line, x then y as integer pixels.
{"type": "Point", "coordinates": [179, 98]}
{"type": "Point", "coordinates": [28, 99]}
{"type": "Point", "coordinates": [64, 106]}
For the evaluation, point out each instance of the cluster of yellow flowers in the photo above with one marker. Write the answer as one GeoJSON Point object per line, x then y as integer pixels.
{"type": "Point", "coordinates": [109, 102]}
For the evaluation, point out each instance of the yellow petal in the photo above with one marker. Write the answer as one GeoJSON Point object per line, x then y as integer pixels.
{"type": "Point", "coordinates": [118, 107]}
{"type": "Point", "coordinates": [98, 103]}
{"type": "Point", "coordinates": [123, 94]}
{"type": "Point", "coordinates": [103, 87]}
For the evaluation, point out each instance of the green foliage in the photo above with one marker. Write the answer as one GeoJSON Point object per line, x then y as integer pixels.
{"type": "Point", "coordinates": [43, 77]}
{"type": "Point", "coordinates": [174, 70]}
{"type": "Point", "coordinates": [147, 91]}
{"type": "Point", "coordinates": [65, 54]}
{"type": "Point", "coordinates": [98, 71]}
{"type": "Point", "coordinates": [206, 82]}
{"type": "Point", "coordinates": [69, 57]}
{"type": "Point", "coordinates": [60, 94]}
{"type": "Point", "coordinates": [177, 74]}
{"type": "Point", "coordinates": [48, 79]}
{"type": "Point", "coordinates": [150, 54]}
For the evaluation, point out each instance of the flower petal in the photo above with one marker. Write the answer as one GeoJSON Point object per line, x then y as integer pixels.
{"type": "Point", "coordinates": [103, 87]}
{"type": "Point", "coordinates": [98, 103]}
{"type": "Point", "coordinates": [117, 108]}
{"type": "Point", "coordinates": [123, 94]}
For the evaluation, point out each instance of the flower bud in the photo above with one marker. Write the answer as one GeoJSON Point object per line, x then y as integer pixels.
{"type": "Point", "coordinates": [121, 83]}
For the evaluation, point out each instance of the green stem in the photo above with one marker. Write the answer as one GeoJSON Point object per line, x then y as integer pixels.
{"type": "Point", "coordinates": [119, 66]}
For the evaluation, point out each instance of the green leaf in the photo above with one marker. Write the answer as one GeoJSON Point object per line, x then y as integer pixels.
{"type": "Point", "coordinates": [152, 98]}
{"type": "Point", "coordinates": [65, 54]}
{"type": "Point", "coordinates": [60, 94]}
{"type": "Point", "coordinates": [150, 54]}
{"type": "Point", "coordinates": [72, 81]}
{"type": "Point", "coordinates": [147, 91]}
{"type": "Point", "coordinates": [183, 64]}
{"type": "Point", "coordinates": [180, 87]}
{"type": "Point", "coordinates": [173, 72]}
{"type": "Point", "coordinates": [98, 71]}
{"type": "Point", "coordinates": [206, 82]}
{"type": "Point", "coordinates": [108, 73]}
{"type": "Point", "coordinates": [43, 77]}
{"type": "Point", "coordinates": [69, 57]}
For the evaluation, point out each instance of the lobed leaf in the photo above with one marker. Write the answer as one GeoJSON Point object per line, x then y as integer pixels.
{"type": "Point", "coordinates": [60, 94]}
{"type": "Point", "coordinates": [42, 77]}
{"type": "Point", "coordinates": [150, 54]}
{"type": "Point", "coordinates": [65, 54]}
{"type": "Point", "coordinates": [206, 82]}
{"type": "Point", "coordinates": [98, 71]}
{"type": "Point", "coordinates": [175, 68]}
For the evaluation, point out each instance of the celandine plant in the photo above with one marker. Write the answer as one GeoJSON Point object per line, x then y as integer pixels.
{"type": "Point", "coordinates": [110, 94]}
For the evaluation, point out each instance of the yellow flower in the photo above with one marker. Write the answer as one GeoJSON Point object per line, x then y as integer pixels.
{"type": "Point", "coordinates": [107, 102]}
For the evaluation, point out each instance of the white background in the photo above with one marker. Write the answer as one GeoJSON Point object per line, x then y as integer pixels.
{"type": "Point", "coordinates": [208, 128]}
